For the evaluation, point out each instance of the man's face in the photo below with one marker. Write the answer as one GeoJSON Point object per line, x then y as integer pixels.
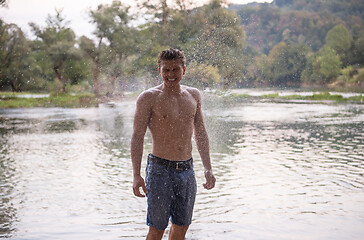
{"type": "Point", "coordinates": [171, 71]}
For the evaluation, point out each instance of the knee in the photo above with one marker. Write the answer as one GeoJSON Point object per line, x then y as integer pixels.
{"type": "Point", "coordinates": [177, 232]}
{"type": "Point", "coordinates": [154, 234]}
{"type": "Point", "coordinates": [179, 228]}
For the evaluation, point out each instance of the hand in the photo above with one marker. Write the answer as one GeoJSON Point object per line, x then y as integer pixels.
{"type": "Point", "coordinates": [210, 180]}
{"type": "Point", "coordinates": [137, 183]}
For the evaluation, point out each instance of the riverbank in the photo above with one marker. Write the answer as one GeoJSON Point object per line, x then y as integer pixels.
{"type": "Point", "coordinates": [31, 100]}
{"type": "Point", "coordinates": [277, 96]}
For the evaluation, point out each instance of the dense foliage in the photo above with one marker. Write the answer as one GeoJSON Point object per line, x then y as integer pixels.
{"type": "Point", "coordinates": [284, 43]}
{"type": "Point", "coordinates": [325, 40]}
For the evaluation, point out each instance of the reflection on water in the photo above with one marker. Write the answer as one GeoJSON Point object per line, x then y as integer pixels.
{"type": "Point", "coordinates": [284, 171]}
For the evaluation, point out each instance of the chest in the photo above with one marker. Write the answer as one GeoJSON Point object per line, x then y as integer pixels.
{"type": "Point", "coordinates": [175, 109]}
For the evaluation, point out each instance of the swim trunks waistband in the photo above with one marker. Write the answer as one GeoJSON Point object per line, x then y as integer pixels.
{"type": "Point", "coordinates": [178, 165]}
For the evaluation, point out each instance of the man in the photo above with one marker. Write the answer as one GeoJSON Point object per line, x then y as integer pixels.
{"type": "Point", "coordinates": [172, 112]}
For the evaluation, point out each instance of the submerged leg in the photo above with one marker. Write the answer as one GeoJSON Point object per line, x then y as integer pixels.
{"type": "Point", "coordinates": [177, 232]}
{"type": "Point", "coordinates": [155, 234]}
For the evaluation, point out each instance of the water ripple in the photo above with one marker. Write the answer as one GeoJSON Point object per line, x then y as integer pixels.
{"type": "Point", "coordinates": [284, 171]}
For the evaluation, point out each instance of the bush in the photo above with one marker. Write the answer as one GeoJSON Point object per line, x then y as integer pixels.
{"type": "Point", "coordinates": [201, 75]}
{"type": "Point", "coordinates": [360, 78]}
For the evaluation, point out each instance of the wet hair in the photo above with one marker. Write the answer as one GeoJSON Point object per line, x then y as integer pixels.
{"type": "Point", "coordinates": [172, 54]}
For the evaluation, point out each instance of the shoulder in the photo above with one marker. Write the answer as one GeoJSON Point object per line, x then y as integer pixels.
{"type": "Point", "coordinates": [148, 96]}
{"type": "Point", "coordinates": [196, 94]}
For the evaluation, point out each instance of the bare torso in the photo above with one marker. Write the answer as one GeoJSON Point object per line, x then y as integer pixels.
{"type": "Point", "coordinates": [171, 122]}
{"type": "Point", "coordinates": [172, 112]}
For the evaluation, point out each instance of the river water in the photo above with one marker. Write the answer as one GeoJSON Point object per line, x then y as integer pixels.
{"type": "Point", "coordinates": [284, 171]}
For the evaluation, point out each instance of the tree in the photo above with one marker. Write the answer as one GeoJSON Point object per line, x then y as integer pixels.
{"type": "Point", "coordinates": [77, 71]}
{"type": "Point", "coordinates": [329, 63]}
{"type": "Point", "coordinates": [170, 22]}
{"type": "Point", "coordinates": [339, 39]}
{"type": "Point", "coordinates": [311, 74]}
{"type": "Point", "coordinates": [59, 44]}
{"type": "Point", "coordinates": [322, 67]}
{"type": "Point", "coordinates": [112, 26]}
{"type": "Point", "coordinates": [286, 61]}
{"type": "Point", "coordinates": [41, 67]}
{"type": "Point", "coordinates": [356, 53]}
{"type": "Point", "coordinates": [169, 25]}
{"type": "Point", "coordinates": [219, 41]}
{"type": "Point", "coordinates": [162, 13]}
{"type": "Point", "coordinates": [256, 71]}
{"type": "Point", "coordinates": [209, 35]}
{"type": "Point", "coordinates": [94, 53]}
{"type": "Point", "coordinates": [281, 3]}
{"type": "Point", "coordinates": [14, 57]}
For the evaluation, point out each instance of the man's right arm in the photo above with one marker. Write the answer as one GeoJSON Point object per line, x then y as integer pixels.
{"type": "Point", "coordinates": [141, 121]}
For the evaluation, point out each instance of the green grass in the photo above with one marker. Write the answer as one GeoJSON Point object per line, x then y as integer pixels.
{"type": "Point", "coordinates": [294, 97]}
{"type": "Point", "coordinates": [9, 94]}
{"type": "Point", "coordinates": [357, 98]}
{"type": "Point", "coordinates": [62, 100]}
{"type": "Point", "coordinates": [272, 95]}
{"type": "Point", "coordinates": [236, 95]}
{"type": "Point", "coordinates": [324, 96]}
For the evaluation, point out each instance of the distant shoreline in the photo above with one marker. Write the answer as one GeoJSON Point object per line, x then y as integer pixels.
{"type": "Point", "coordinates": [295, 96]}
{"type": "Point", "coordinates": [85, 100]}
{"type": "Point", "coordinates": [8, 100]}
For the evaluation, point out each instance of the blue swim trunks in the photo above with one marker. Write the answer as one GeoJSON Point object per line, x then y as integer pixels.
{"type": "Point", "coordinates": [171, 193]}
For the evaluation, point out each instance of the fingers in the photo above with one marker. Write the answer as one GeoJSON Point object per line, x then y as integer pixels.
{"type": "Point", "coordinates": [208, 186]}
{"type": "Point", "coordinates": [144, 189]}
{"type": "Point", "coordinates": [210, 182]}
{"type": "Point", "coordinates": [137, 192]}
{"type": "Point", "coordinates": [139, 183]}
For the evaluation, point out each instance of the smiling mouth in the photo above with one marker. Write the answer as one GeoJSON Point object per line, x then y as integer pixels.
{"type": "Point", "coordinates": [171, 79]}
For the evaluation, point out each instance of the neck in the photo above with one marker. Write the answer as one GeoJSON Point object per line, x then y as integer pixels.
{"type": "Point", "coordinates": [172, 89]}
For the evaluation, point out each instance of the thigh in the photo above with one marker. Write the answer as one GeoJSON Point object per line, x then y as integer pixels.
{"type": "Point", "coordinates": [184, 198]}
{"type": "Point", "coordinates": [158, 196]}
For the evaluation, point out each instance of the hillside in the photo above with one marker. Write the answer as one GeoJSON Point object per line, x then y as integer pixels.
{"type": "Point", "coordinates": [300, 21]}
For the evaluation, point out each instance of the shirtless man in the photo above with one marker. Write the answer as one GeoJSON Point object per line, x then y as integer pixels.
{"type": "Point", "coordinates": [172, 112]}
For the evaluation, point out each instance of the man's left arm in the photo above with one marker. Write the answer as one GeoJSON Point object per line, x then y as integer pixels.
{"type": "Point", "coordinates": [202, 142]}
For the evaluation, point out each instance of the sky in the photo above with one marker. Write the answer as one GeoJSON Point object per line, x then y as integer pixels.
{"type": "Point", "coordinates": [21, 12]}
